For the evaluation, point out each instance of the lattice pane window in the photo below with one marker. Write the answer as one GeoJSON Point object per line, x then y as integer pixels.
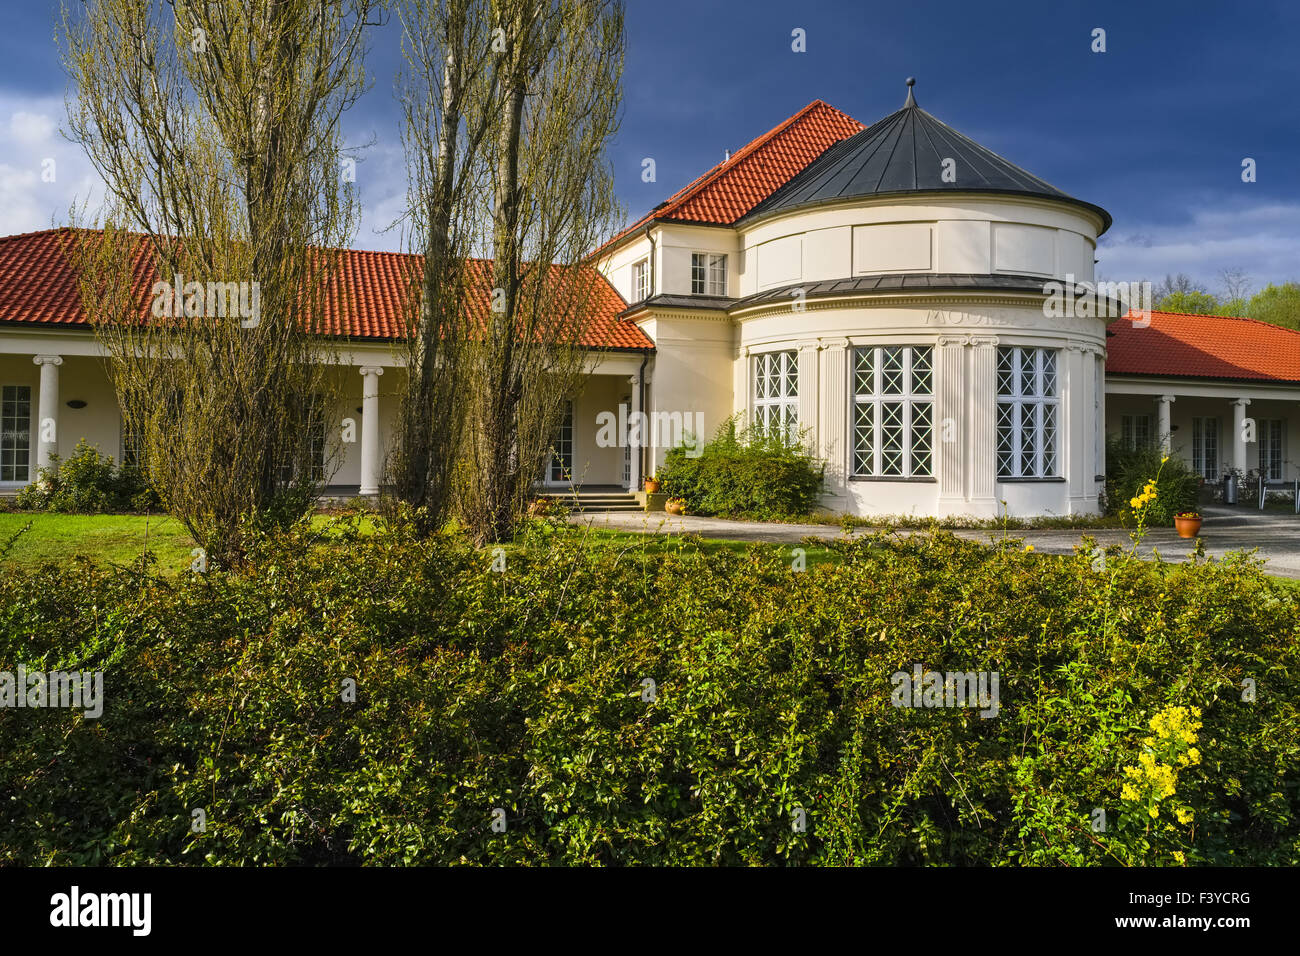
{"type": "Point", "coordinates": [922, 372]}
{"type": "Point", "coordinates": [922, 437]}
{"type": "Point", "coordinates": [864, 371]}
{"type": "Point", "coordinates": [1049, 444]}
{"type": "Point", "coordinates": [864, 438]}
{"type": "Point", "coordinates": [1028, 429]}
{"type": "Point", "coordinates": [776, 392]}
{"type": "Point", "coordinates": [891, 371]}
{"type": "Point", "coordinates": [893, 412]}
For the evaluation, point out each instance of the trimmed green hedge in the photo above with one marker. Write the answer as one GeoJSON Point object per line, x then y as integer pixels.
{"type": "Point", "coordinates": [525, 690]}
{"type": "Point", "coordinates": [745, 474]}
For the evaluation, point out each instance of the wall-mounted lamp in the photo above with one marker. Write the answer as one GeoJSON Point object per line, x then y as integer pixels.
{"type": "Point", "coordinates": [76, 403]}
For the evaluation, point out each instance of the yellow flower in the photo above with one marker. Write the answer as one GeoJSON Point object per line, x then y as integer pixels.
{"type": "Point", "coordinates": [1154, 811]}
{"type": "Point", "coordinates": [1028, 548]}
{"type": "Point", "coordinates": [1184, 816]}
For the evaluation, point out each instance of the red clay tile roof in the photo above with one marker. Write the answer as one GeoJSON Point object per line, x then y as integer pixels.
{"type": "Point", "coordinates": [38, 286]}
{"type": "Point", "coordinates": [731, 189]}
{"type": "Point", "coordinates": [1203, 346]}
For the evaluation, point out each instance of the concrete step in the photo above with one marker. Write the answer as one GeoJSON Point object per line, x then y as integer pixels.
{"type": "Point", "coordinates": [596, 501]}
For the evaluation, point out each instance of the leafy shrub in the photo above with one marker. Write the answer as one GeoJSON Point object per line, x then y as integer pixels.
{"type": "Point", "coordinates": [745, 473]}
{"type": "Point", "coordinates": [524, 690]}
{"type": "Point", "coordinates": [87, 483]}
{"type": "Point", "coordinates": [1127, 473]}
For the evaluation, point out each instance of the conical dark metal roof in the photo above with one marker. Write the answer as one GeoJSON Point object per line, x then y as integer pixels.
{"type": "Point", "coordinates": [905, 153]}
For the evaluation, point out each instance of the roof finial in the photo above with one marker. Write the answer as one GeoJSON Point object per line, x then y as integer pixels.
{"type": "Point", "coordinates": [911, 100]}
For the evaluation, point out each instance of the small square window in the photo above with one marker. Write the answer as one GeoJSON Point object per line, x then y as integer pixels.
{"type": "Point", "coordinates": [708, 273]}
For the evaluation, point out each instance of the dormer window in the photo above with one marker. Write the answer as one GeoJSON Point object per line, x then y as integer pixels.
{"type": "Point", "coordinates": [641, 280]}
{"type": "Point", "coordinates": [708, 273]}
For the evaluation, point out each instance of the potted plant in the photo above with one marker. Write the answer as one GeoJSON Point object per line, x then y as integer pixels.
{"type": "Point", "coordinates": [675, 506]}
{"type": "Point", "coordinates": [652, 485]}
{"type": "Point", "coordinates": [1188, 524]}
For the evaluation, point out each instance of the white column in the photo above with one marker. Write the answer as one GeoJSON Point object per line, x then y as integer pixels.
{"type": "Point", "coordinates": [634, 437]}
{"type": "Point", "coordinates": [833, 430]}
{"type": "Point", "coordinates": [47, 413]}
{"type": "Point", "coordinates": [370, 429]}
{"type": "Point", "coordinates": [1239, 434]}
{"type": "Point", "coordinates": [1163, 430]}
{"type": "Point", "coordinates": [950, 421]}
{"type": "Point", "coordinates": [982, 400]}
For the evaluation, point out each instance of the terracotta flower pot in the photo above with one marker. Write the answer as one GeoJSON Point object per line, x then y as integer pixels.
{"type": "Point", "coordinates": [652, 485]}
{"type": "Point", "coordinates": [1189, 526]}
{"type": "Point", "coordinates": [675, 506]}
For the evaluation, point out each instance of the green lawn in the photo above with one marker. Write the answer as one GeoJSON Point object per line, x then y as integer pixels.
{"type": "Point", "coordinates": [636, 542]}
{"type": "Point", "coordinates": [118, 539]}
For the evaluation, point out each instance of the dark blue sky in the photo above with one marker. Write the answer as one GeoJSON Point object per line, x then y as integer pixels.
{"type": "Point", "coordinates": [1154, 129]}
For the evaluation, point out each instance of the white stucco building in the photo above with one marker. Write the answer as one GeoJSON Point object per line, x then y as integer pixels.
{"type": "Point", "coordinates": [885, 289]}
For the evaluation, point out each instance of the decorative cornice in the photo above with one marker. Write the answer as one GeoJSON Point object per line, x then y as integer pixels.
{"type": "Point", "coordinates": [890, 299]}
{"type": "Point", "coordinates": [677, 312]}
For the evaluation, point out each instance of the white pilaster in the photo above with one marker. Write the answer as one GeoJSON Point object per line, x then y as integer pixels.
{"type": "Point", "coordinates": [833, 431]}
{"type": "Point", "coordinates": [47, 410]}
{"type": "Point", "coordinates": [809, 417]}
{"type": "Point", "coordinates": [741, 398]}
{"type": "Point", "coordinates": [370, 429]}
{"type": "Point", "coordinates": [982, 404]}
{"type": "Point", "coordinates": [950, 422]}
